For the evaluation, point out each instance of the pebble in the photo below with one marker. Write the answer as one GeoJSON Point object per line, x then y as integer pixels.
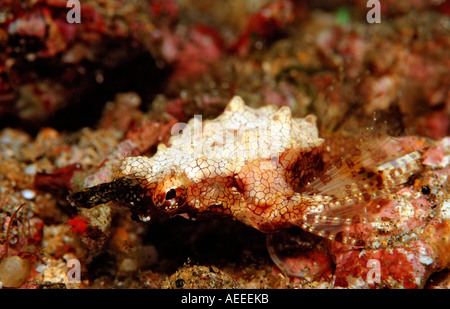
{"type": "Point", "coordinates": [28, 194]}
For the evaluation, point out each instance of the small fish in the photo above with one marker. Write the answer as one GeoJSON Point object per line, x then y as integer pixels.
{"type": "Point", "coordinates": [264, 168]}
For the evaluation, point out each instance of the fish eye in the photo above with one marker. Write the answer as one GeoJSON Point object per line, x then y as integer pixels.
{"type": "Point", "coordinates": [171, 194]}
{"type": "Point", "coordinates": [171, 191]}
{"type": "Point", "coordinates": [170, 199]}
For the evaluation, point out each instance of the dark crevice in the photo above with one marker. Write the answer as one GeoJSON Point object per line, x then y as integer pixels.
{"type": "Point", "coordinates": [120, 66]}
